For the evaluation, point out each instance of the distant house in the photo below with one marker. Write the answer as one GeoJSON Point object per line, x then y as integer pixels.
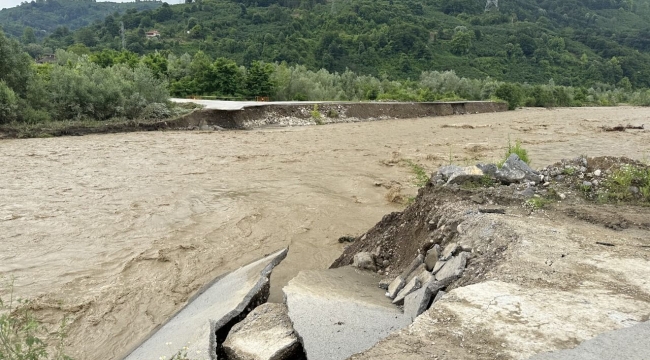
{"type": "Point", "coordinates": [152, 34]}
{"type": "Point", "coordinates": [46, 59]}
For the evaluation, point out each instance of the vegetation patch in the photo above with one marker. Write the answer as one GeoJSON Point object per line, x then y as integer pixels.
{"type": "Point", "coordinates": [628, 183]}
{"type": "Point", "coordinates": [421, 177]}
{"type": "Point", "coordinates": [516, 149]}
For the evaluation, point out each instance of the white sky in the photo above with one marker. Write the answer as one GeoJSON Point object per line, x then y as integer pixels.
{"type": "Point", "coordinates": [12, 3]}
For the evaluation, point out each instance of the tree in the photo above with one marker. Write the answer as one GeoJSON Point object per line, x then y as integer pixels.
{"type": "Point", "coordinates": [258, 79]}
{"type": "Point", "coordinates": [28, 36]}
{"type": "Point", "coordinates": [86, 36]}
{"type": "Point", "coordinates": [461, 42]}
{"type": "Point", "coordinates": [8, 104]}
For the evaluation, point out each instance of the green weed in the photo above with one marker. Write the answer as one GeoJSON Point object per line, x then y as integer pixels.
{"type": "Point", "coordinates": [516, 149]}
{"type": "Point", "coordinates": [537, 203]}
{"type": "Point", "coordinates": [421, 177]}
{"type": "Point", "coordinates": [618, 187]}
{"type": "Point", "coordinates": [316, 115]}
{"type": "Point", "coordinates": [568, 171]}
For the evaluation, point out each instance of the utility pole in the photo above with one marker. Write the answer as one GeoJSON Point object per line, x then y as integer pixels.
{"type": "Point", "coordinates": [122, 35]}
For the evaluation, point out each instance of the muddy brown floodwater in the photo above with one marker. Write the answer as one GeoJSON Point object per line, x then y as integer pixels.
{"type": "Point", "coordinates": [117, 231]}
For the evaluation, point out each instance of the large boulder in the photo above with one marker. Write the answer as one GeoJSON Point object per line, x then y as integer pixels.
{"type": "Point", "coordinates": [514, 170]}
{"type": "Point", "coordinates": [432, 257]}
{"type": "Point", "coordinates": [265, 334]}
{"type": "Point", "coordinates": [466, 174]}
{"type": "Point", "coordinates": [365, 261]}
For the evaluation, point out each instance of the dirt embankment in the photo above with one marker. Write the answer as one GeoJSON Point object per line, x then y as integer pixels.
{"type": "Point", "coordinates": [549, 267]}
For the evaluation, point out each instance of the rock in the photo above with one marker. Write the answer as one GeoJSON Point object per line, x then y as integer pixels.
{"type": "Point", "coordinates": [417, 272]}
{"type": "Point", "coordinates": [446, 171]}
{"type": "Point", "coordinates": [527, 193]}
{"type": "Point", "coordinates": [414, 265]}
{"type": "Point", "coordinates": [449, 251]}
{"type": "Point", "coordinates": [453, 268]}
{"type": "Point", "coordinates": [559, 178]}
{"type": "Point", "coordinates": [562, 196]}
{"type": "Point", "coordinates": [477, 198]}
{"type": "Point", "coordinates": [395, 287]}
{"type": "Point", "coordinates": [340, 312]}
{"type": "Point", "coordinates": [488, 169]}
{"type": "Point", "coordinates": [203, 324]}
{"type": "Point", "coordinates": [411, 286]}
{"type": "Point", "coordinates": [595, 182]}
{"type": "Point", "coordinates": [265, 334]}
{"type": "Point", "coordinates": [583, 169]}
{"type": "Point", "coordinates": [597, 173]}
{"type": "Point", "coordinates": [438, 266]}
{"type": "Point", "coordinates": [439, 295]}
{"type": "Point", "coordinates": [365, 261]}
{"type": "Point", "coordinates": [466, 248]}
{"type": "Point", "coordinates": [514, 170]}
{"type": "Point", "coordinates": [417, 302]}
{"type": "Point", "coordinates": [432, 258]}
{"type": "Point", "coordinates": [385, 263]}
{"type": "Point", "coordinates": [463, 175]}
{"type": "Point", "coordinates": [346, 238]}
{"type": "Point", "coordinates": [586, 183]}
{"type": "Point", "coordinates": [384, 283]}
{"type": "Point", "coordinates": [633, 189]}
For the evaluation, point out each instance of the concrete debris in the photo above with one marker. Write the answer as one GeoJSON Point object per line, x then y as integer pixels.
{"type": "Point", "coordinates": [414, 265]}
{"type": "Point", "coordinates": [514, 170]}
{"type": "Point", "coordinates": [417, 302]}
{"type": "Point", "coordinates": [439, 296]}
{"type": "Point", "coordinates": [432, 258]}
{"type": "Point", "coordinates": [447, 171]}
{"type": "Point", "coordinates": [364, 261]}
{"type": "Point", "coordinates": [470, 173]}
{"type": "Point", "coordinates": [417, 272]}
{"type": "Point", "coordinates": [438, 266]}
{"type": "Point", "coordinates": [265, 334]}
{"type": "Point", "coordinates": [340, 312]}
{"type": "Point", "coordinates": [411, 286]}
{"type": "Point", "coordinates": [488, 169]}
{"type": "Point", "coordinates": [453, 268]}
{"type": "Point", "coordinates": [395, 287]}
{"type": "Point", "coordinates": [449, 251]}
{"type": "Point", "coordinates": [203, 324]}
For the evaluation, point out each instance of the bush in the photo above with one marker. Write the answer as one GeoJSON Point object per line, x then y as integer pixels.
{"type": "Point", "coordinates": [518, 150]}
{"type": "Point", "coordinates": [510, 93]}
{"type": "Point", "coordinates": [8, 104]}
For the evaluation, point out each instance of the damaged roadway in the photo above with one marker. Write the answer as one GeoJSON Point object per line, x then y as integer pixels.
{"type": "Point", "coordinates": [196, 327]}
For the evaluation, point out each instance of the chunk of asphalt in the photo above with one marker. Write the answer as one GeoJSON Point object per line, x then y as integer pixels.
{"type": "Point", "coordinates": [438, 266]}
{"type": "Point", "coordinates": [395, 287]}
{"type": "Point", "coordinates": [340, 312]}
{"type": "Point", "coordinates": [453, 268]}
{"type": "Point", "coordinates": [414, 265]}
{"type": "Point", "coordinates": [411, 286]}
{"type": "Point", "coordinates": [265, 334]}
{"type": "Point", "coordinates": [201, 323]}
{"type": "Point", "coordinates": [449, 251]}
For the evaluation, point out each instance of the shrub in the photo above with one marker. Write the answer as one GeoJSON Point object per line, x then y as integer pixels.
{"type": "Point", "coordinates": [8, 104]}
{"type": "Point", "coordinates": [518, 150]}
{"type": "Point", "coordinates": [510, 93]}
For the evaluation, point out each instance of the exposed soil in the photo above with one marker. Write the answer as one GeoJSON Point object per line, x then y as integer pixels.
{"type": "Point", "coordinates": [539, 279]}
{"type": "Point", "coordinates": [117, 231]}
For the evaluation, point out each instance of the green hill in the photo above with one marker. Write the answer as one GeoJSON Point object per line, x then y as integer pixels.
{"type": "Point", "coordinates": [571, 42]}
{"type": "Point", "coordinates": [44, 16]}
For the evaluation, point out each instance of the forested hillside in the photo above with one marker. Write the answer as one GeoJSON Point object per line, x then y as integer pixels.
{"type": "Point", "coordinates": [572, 42]}
{"type": "Point", "coordinates": [44, 16]}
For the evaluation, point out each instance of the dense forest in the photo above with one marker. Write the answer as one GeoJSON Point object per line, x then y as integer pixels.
{"type": "Point", "coordinates": [44, 16]}
{"type": "Point", "coordinates": [572, 42]}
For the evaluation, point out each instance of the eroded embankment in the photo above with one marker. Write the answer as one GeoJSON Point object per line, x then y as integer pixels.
{"type": "Point", "coordinates": [325, 113]}
{"type": "Point", "coordinates": [547, 266]}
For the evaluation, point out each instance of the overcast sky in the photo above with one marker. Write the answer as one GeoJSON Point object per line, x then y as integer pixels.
{"type": "Point", "coordinates": [12, 3]}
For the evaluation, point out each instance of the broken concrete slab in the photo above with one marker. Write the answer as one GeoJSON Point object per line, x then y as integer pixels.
{"type": "Point", "coordinates": [201, 322]}
{"type": "Point", "coordinates": [411, 286]}
{"type": "Point", "coordinates": [412, 266]}
{"type": "Point", "coordinates": [417, 302]}
{"type": "Point", "coordinates": [339, 312]}
{"type": "Point", "coordinates": [453, 268]}
{"type": "Point", "coordinates": [417, 272]}
{"type": "Point", "coordinates": [265, 334]}
{"type": "Point", "coordinates": [395, 287]}
{"type": "Point", "coordinates": [438, 266]}
{"type": "Point", "coordinates": [449, 251]}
